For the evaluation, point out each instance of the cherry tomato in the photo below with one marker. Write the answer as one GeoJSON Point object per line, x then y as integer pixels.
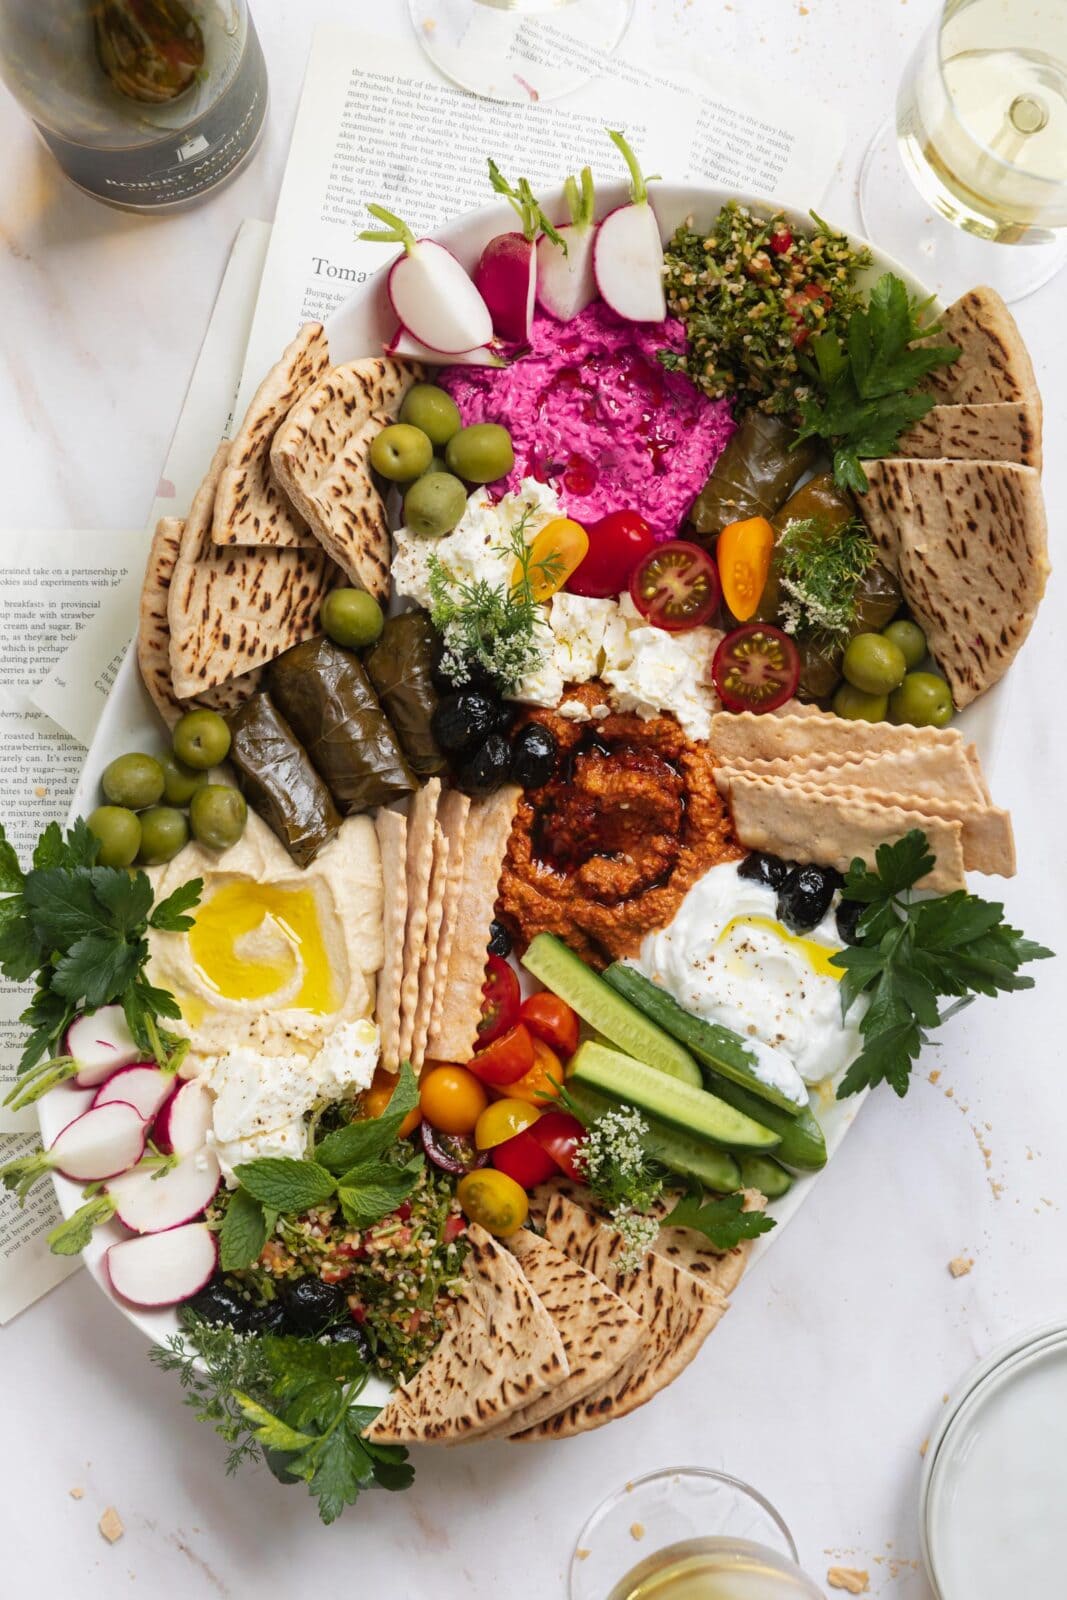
{"type": "Point", "coordinates": [552, 1020]}
{"type": "Point", "coordinates": [493, 1200]}
{"type": "Point", "coordinates": [452, 1099]}
{"type": "Point", "coordinates": [555, 552]}
{"type": "Point", "coordinates": [377, 1098]}
{"type": "Point", "coordinates": [501, 998]}
{"type": "Point", "coordinates": [523, 1159]}
{"type": "Point", "coordinates": [503, 1120]}
{"type": "Point", "coordinates": [796, 306]}
{"type": "Point", "coordinates": [544, 1080]}
{"type": "Point", "coordinates": [781, 241]}
{"type": "Point", "coordinates": [616, 544]}
{"type": "Point", "coordinates": [756, 668]}
{"type": "Point", "coordinates": [561, 1136]}
{"type": "Point", "coordinates": [744, 557]}
{"type": "Point", "coordinates": [676, 586]}
{"type": "Point", "coordinates": [507, 1059]}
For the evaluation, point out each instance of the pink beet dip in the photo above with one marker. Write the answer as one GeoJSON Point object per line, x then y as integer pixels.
{"type": "Point", "coordinates": [592, 411]}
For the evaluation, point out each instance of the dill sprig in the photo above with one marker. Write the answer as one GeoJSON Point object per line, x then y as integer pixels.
{"type": "Point", "coordinates": [212, 1365]}
{"type": "Point", "coordinates": [819, 577]}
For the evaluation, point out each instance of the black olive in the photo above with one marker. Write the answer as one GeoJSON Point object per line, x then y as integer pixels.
{"type": "Point", "coordinates": [533, 756]}
{"type": "Point", "coordinates": [350, 1333]}
{"type": "Point", "coordinates": [216, 1303]}
{"type": "Point", "coordinates": [476, 677]}
{"type": "Point", "coordinates": [463, 720]}
{"type": "Point", "coordinates": [483, 772]}
{"type": "Point", "coordinates": [499, 940]}
{"type": "Point", "coordinates": [848, 914]}
{"type": "Point", "coordinates": [310, 1304]}
{"type": "Point", "coordinates": [762, 868]}
{"type": "Point", "coordinates": [270, 1318]}
{"type": "Point", "coordinates": [804, 898]}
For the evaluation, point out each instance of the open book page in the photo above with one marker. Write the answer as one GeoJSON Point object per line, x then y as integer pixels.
{"type": "Point", "coordinates": [74, 691]}
{"type": "Point", "coordinates": [377, 123]}
{"type": "Point", "coordinates": [28, 1269]}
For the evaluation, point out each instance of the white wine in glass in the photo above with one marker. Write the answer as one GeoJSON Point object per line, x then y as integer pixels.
{"type": "Point", "coordinates": [980, 133]}
{"type": "Point", "coordinates": [715, 1569]}
{"type": "Point", "coordinates": [523, 50]}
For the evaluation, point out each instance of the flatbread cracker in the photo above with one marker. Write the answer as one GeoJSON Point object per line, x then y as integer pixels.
{"type": "Point", "coordinates": [935, 771]}
{"type": "Point", "coordinates": [231, 610]}
{"type": "Point", "coordinates": [452, 814]}
{"type": "Point", "coordinates": [988, 843]}
{"type": "Point", "coordinates": [994, 363]}
{"type": "Point", "coordinates": [500, 1352]}
{"type": "Point", "coordinates": [1000, 431]}
{"type": "Point", "coordinates": [422, 820]}
{"type": "Point", "coordinates": [435, 899]}
{"type": "Point", "coordinates": [747, 735]}
{"type": "Point", "coordinates": [488, 829]}
{"type": "Point", "coordinates": [250, 506]}
{"type": "Point", "coordinates": [321, 458]}
{"type": "Point", "coordinates": [392, 830]}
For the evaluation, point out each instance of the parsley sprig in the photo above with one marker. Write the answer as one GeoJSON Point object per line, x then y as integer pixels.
{"type": "Point", "coordinates": [913, 952]}
{"type": "Point", "coordinates": [723, 1221]}
{"type": "Point", "coordinates": [81, 931]}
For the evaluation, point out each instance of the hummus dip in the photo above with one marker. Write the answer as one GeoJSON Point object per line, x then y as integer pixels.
{"type": "Point", "coordinates": [278, 958]}
{"type": "Point", "coordinates": [592, 411]}
{"type": "Point", "coordinates": [606, 851]}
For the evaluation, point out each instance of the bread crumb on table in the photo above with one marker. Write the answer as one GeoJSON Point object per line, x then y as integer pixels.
{"type": "Point", "coordinates": [76, 1493]}
{"type": "Point", "coordinates": [110, 1525]}
{"type": "Point", "coordinates": [637, 1530]}
{"type": "Point", "coordinates": [959, 1266]}
{"type": "Point", "coordinates": [851, 1579]}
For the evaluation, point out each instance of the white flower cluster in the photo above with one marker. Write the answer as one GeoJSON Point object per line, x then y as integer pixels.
{"type": "Point", "coordinates": [639, 1233]}
{"type": "Point", "coordinates": [802, 609]}
{"type": "Point", "coordinates": [614, 1141]}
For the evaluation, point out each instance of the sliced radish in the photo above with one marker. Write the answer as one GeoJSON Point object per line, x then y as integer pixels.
{"type": "Point", "coordinates": [181, 1129]}
{"type": "Point", "coordinates": [430, 291]}
{"type": "Point", "coordinates": [566, 283]}
{"type": "Point", "coordinates": [506, 276]}
{"type": "Point", "coordinates": [142, 1086]}
{"type": "Point", "coordinates": [628, 251]}
{"type": "Point", "coordinates": [162, 1269]}
{"type": "Point", "coordinates": [149, 1201]}
{"type": "Point", "coordinates": [406, 346]}
{"type": "Point", "coordinates": [100, 1042]}
{"type": "Point", "coordinates": [100, 1143]}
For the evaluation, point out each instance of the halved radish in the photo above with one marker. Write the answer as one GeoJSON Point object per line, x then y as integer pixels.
{"type": "Point", "coordinates": [150, 1201]}
{"type": "Point", "coordinates": [407, 346]}
{"type": "Point", "coordinates": [181, 1128]}
{"type": "Point", "coordinates": [506, 274]}
{"type": "Point", "coordinates": [162, 1269]}
{"type": "Point", "coordinates": [430, 291]}
{"type": "Point", "coordinates": [99, 1143]}
{"type": "Point", "coordinates": [565, 280]}
{"type": "Point", "coordinates": [100, 1042]}
{"type": "Point", "coordinates": [142, 1086]}
{"type": "Point", "coordinates": [628, 251]}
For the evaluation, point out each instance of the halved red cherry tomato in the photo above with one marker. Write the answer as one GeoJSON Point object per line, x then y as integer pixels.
{"type": "Point", "coordinates": [756, 668]}
{"type": "Point", "coordinates": [561, 1136]}
{"type": "Point", "coordinates": [616, 544]}
{"type": "Point", "coordinates": [552, 1020]}
{"type": "Point", "coordinates": [501, 998]}
{"type": "Point", "coordinates": [543, 1082]}
{"type": "Point", "coordinates": [507, 1059]}
{"type": "Point", "coordinates": [676, 586]}
{"type": "Point", "coordinates": [523, 1159]}
{"type": "Point", "coordinates": [781, 241]}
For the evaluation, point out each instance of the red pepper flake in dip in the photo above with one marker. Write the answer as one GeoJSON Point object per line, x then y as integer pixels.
{"type": "Point", "coordinates": [592, 411]}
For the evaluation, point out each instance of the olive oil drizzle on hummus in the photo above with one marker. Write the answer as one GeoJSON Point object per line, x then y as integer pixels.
{"type": "Point", "coordinates": [251, 940]}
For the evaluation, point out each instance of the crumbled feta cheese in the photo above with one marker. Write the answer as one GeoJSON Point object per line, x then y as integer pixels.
{"type": "Point", "coordinates": [347, 1059]}
{"type": "Point", "coordinates": [288, 1140]}
{"type": "Point", "coordinates": [472, 550]}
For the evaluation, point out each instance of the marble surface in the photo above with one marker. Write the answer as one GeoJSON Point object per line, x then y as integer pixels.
{"type": "Point", "coordinates": [824, 1380]}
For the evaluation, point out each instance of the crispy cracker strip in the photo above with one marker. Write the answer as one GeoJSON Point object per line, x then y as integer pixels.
{"type": "Point", "coordinates": [392, 830]}
{"type": "Point", "coordinates": [452, 814]}
{"type": "Point", "coordinates": [435, 899]}
{"type": "Point", "coordinates": [422, 818]}
{"type": "Point", "coordinates": [939, 772]}
{"type": "Point", "coordinates": [747, 736]}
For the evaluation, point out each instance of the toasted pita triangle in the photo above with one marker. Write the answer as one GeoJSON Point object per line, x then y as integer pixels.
{"type": "Point", "coordinates": [995, 363]}
{"type": "Point", "coordinates": [250, 506]}
{"type": "Point", "coordinates": [998, 431]}
{"type": "Point", "coordinates": [719, 1269]}
{"type": "Point", "coordinates": [392, 830]}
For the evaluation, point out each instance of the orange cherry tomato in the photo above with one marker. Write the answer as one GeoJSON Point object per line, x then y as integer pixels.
{"type": "Point", "coordinates": [544, 1080]}
{"type": "Point", "coordinates": [552, 1020]}
{"type": "Point", "coordinates": [377, 1099]}
{"type": "Point", "coordinates": [452, 1099]}
{"type": "Point", "coordinates": [503, 1120]}
{"type": "Point", "coordinates": [560, 547]}
{"type": "Point", "coordinates": [744, 555]}
{"type": "Point", "coordinates": [493, 1200]}
{"type": "Point", "coordinates": [507, 1059]}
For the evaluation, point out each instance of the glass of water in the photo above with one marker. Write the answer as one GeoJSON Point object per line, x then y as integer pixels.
{"type": "Point", "coordinates": [525, 50]}
{"type": "Point", "coordinates": [976, 155]}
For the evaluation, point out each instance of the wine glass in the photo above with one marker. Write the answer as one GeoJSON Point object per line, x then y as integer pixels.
{"type": "Point", "coordinates": [524, 50]}
{"type": "Point", "coordinates": [976, 155]}
{"type": "Point", "coordinates": [687, 1531]}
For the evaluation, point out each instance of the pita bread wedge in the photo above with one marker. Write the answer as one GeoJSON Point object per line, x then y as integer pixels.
{"type": "Point", "coordinates": [452, 814]}
{"type": "Point", "coordinates": [999, 431]}
{"type": "Point", "coordinates": [969, 544]}
{"type": "Point", "coordinates": [488, 828]}
{"type": "Point", "coordinates": [422, 820]}
{"type": "Point", "coordinates": [994, 363]}
{"type": "Point", "coordinates": [501, 1352]}
{"type": "Point", "coordinates": [231, 610]}
{"type": "Point", "coordinates": [392, 830]}
{"type": "Point", "coordinates": [250, 506]}
{"type": "Point", "coordinates": [435, 899]}
{"type": "Point", "coordinates": [678, 1310]}
{"type": "Point", "coordinates": [320, 457]}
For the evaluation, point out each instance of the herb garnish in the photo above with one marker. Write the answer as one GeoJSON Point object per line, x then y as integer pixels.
{"type": "Point", "coordinates": [724, 1222]}
{"type": "Point", "coordinates": [913, 951]}
{"type": "Point", "coordinates": [81, 931]}
{"type": "Point", "coordinates": [819, 575]}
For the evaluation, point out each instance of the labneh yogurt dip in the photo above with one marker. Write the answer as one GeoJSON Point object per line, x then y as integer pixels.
{"type": "Point", "coordinates": [591, 410]}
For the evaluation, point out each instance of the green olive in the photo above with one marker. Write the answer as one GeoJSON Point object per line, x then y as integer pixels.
{"type": "Point", "coordinates": [909, 639]}
{"type": "Point", "coordinates": [923, 699]}
{"type": "Point", "coordinates": [873, 663]}
{"type": "Point", "coordinates": [434, 504]}
{"type": "Point", "coordinates": [438, 464]}
{"type": "Point", "coordinates": [119, 833]}
{"type": "Point", "coordinates": [352, 618]}
{"type": "Point", "coordinates": [400, 452]}
{"type": "Point", "coordinates": [180, 782]}
{"type": "Point", "coordinates": [859, 707]}
{"type": "Point", "coordinates": [481, 453]}
{"type": "Point", "coordinates": [218, 815]}
{"type": "Point", "coordinates": [201, 739]}
{"type": "Point", "coordinates": [164, 831]}
{"type": "Point", "coordinates": [431, 409]}
{"type": "Point", "coordinates": [135, 781]}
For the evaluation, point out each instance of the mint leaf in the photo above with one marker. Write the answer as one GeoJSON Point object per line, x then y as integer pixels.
{"type": "Point", "coordinates": [244, 1231]}
{"type": "Point", "coordinates": [725, 1222]}
{"type": "Point", "coordinates": [170, 914]}
{"type": "Point", "coordinates": [371, 1191]}
{"type": "Point", "coordinates": [362, 1141]}
{"type": "Point", "coordinates": [285, 1185]}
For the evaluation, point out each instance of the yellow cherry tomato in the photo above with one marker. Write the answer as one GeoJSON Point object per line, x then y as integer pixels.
{"type": "Point", "coordinates": [502, 1120]}
{"type": "Point", "coordinates": [452, 1099]}
{"type": "Point", "coordinates": [544, 1080]}
{"type": "Point", "coordinates": [555, 552]}
{"type": "Point", "coordinates": [744, 556]}
{"type": "Point", "coordinates": [493, 1200]}
{"type": "Point", "coordinates": [377, 1098]}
